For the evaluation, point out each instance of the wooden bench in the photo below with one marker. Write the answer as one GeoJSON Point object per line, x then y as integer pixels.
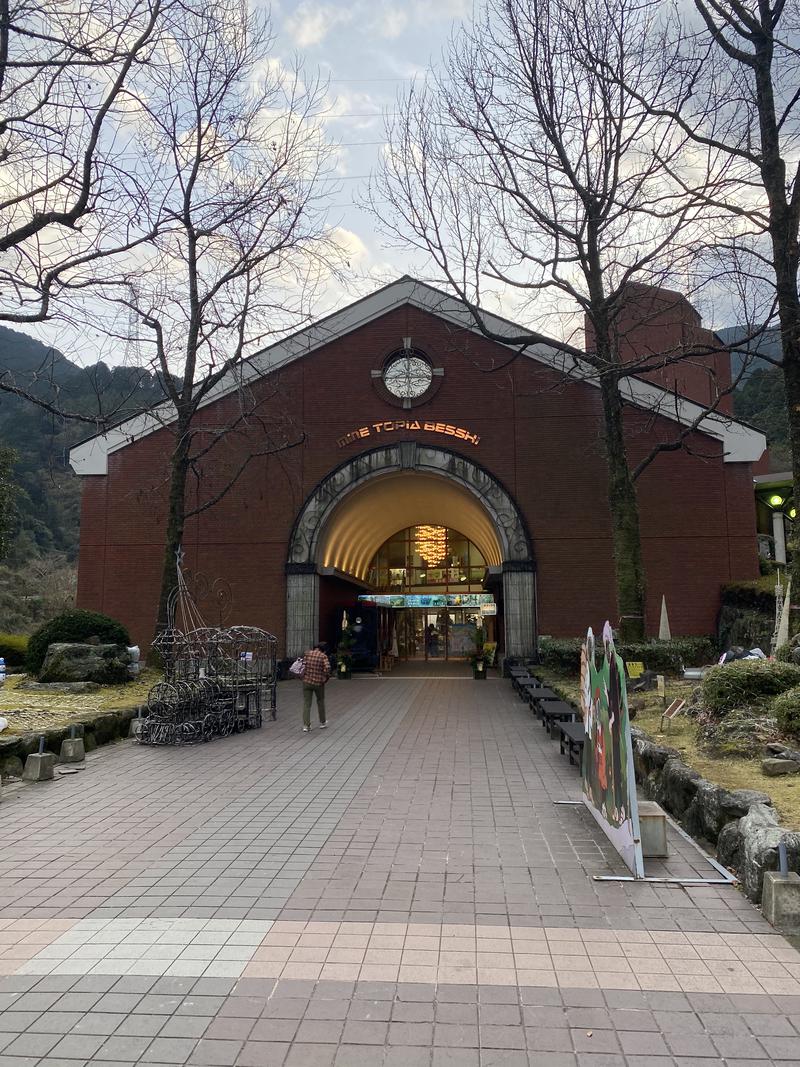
{"type": "Point", "coordinates": [555, 712]}
{"type": "Point", "coordinates": [538, 695]}
{"type": "Point", "coordinates": [573, 736]}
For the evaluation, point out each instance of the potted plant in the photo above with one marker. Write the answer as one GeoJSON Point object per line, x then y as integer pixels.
{"type": "Point", "coordinates": [478, 657]}
{"type": "Point", "coordinates": [344, 654]}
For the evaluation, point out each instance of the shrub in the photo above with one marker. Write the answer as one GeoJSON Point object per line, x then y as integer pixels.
{"type": "Point", "coordinates": [562, 654]}
{"type": "Point", "coordinates": [13, 649]}
{"type": "Point", "coordinates": [786, 709]}
{"type": "Point", "coordinates": [664, 657]}
{"type": "Point", "coordinates": [742, 732]}
{"type": "Point", "coordinates": [72, 627]}
{"type": "Point", "coordinates": [747, 683]}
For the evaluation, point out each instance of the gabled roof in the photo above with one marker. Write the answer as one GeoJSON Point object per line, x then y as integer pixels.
{"type": "Point", "coordinates": [741, 443]}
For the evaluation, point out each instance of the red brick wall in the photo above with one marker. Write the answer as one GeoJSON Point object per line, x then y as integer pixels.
{"type": "Point", "coordinates": [657, 323]}
{"type": "Point", "coordinates": [541, 437]}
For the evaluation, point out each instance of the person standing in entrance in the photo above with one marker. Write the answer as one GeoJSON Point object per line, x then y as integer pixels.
{"type": "Point", "coordinates": [316, 672]}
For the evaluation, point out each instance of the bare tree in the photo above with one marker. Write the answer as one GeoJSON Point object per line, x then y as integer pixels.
{"type": "Point", "coordinates": [735, 93]}
{"type": "Point", "coordinates": [530, 166]}
{"type": "Point", "coordinates": [64, 65]}
{"type": "Point", "coordinates": [228, 243]}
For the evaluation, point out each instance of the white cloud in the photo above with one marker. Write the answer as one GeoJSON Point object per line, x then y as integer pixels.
{"type": "Point", "coordinates": [311, 23]}
{"type": "Point", "coordinates": [390, 22]}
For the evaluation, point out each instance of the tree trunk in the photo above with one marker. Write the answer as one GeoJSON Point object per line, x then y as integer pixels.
{"type": "Point", "coordinates": [624, 516]}
{"type": "Point", "coordinates": [789, 314]}
{"type": "Point", "coordinates": [176, 519]}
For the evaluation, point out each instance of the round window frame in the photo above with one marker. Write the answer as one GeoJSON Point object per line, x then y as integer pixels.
{"type": "Point", "coordinates": [437, 374]}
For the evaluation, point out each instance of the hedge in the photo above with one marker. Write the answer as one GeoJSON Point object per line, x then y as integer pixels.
{"type": "Point", "coordinates": [665, 657]}
{"type": "Point", "coordinates": [747, 683]}
{"type": "Point", "coordinates": [73, 627]}
{"type": "Point", "coordinates": [13, 649]}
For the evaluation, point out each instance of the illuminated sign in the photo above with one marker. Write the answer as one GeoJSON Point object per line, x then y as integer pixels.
{"type": "Point", "coordinates": [393, 425]}
{"type": "Point", "coordinates": [428, 600]}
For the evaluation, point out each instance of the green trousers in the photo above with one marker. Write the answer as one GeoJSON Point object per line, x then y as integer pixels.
{"type": "Point", "coordinates": [308, 693]}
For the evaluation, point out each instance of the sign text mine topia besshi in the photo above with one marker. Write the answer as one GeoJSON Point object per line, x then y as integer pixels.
{"type": "Point", "coordinates": [392, 425]}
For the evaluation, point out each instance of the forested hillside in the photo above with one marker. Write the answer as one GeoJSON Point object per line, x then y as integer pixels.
{"type": "Point", "coordinates": [47, 498]}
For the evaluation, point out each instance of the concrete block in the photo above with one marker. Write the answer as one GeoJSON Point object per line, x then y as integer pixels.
{"type": "Point", "coordinates": [39, 767]}
{"type": "Point", "coordinates": [780, 901]}
{"type": "Point", "coordinates": [653, 827]}
{"type": "Point", "coordinates": [72, 750]}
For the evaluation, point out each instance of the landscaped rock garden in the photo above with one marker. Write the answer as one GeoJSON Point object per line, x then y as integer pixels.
{"type": "Point", "coordinates": [729, 769]}
{"type": "Point", "coordinates": [78, 677]}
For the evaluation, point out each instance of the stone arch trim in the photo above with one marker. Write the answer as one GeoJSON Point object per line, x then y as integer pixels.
{"type": "Point", "coordinates": [512, 532]}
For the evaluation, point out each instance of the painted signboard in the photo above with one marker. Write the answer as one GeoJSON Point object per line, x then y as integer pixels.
{"type": "Point", "coordinates": [609, 784]}
{"type": "Point", "coordinates": [427, 600]}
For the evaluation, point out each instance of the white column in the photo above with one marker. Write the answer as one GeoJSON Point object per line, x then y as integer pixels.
{"type": "Point", "coordinates": [779, 533]}
{"type": "Point", "coordinates": [302, 609]}
{"type": "Point", "coordinates": [519, 608]}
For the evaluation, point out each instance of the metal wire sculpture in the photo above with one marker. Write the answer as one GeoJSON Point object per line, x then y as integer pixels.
{"type": "Point", "coordinates": [217, 680]}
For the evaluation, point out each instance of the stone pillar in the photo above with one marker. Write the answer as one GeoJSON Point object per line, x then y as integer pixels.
{"type": "Point", "coordinates": [519, 607]}
{"type": "Point", "coordinates": [302, 608]}
{"type": "Point", "coordinates": [779, 533]}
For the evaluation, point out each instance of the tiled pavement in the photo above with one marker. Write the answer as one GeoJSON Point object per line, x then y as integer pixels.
{"type": "Point", "coordinates": [399, 890]}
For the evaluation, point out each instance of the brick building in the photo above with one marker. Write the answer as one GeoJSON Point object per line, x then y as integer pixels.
{"type": "Point", "coordinates": [439, 475]}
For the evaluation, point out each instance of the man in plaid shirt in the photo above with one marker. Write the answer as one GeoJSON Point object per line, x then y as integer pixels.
{"type": "Point", "coordinates": [316, 672]}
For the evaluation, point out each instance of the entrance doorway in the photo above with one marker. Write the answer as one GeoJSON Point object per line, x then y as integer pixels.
{"type": "Point", "coordinates": [440, 634]}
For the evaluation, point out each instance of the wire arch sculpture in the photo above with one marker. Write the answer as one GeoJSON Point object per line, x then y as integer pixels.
{"type": "Point", "coordinates": [217, 680]}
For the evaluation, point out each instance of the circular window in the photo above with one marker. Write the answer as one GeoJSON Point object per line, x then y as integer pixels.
{"type": "Point", "coordinates": [407, 375]}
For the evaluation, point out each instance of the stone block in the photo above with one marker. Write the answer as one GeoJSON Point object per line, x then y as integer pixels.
{"type": "Point", "coordinates": [39, 767]}
{"type": "Point", "coordinates": [780, 901]}
{"type": "Point", "coordinates": [72, 750]}
{"type": "Point", "coordinates": [773, 767]}
{"type": "Point", "coordinates": [653, 828]}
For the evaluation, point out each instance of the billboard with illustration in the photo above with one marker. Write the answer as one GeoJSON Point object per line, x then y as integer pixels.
{"type": "Point", "coordinates": [609, 785]}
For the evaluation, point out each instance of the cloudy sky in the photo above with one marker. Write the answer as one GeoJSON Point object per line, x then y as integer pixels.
{"type": "Point", "coordinates": [367, 51]}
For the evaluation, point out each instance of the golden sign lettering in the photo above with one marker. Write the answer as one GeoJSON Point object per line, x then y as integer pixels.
{"type": "Point", "coordinates": [393, 425]}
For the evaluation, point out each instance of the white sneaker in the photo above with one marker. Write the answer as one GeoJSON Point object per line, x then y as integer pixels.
{"type": "Point", "coordinates": [306, 729]}
{"type": "Point", "coordinates": [323, 726]}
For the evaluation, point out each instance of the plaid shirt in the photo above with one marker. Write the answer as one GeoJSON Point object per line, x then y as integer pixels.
{"type": "Point", "coordinates": [317, 668]}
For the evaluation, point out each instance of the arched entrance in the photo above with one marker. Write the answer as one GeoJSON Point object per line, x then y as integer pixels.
{"type": "Point", "coordinates": [355, 508]}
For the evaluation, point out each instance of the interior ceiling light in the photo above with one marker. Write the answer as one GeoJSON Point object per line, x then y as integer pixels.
{"type": "Point", "coordinates": [431, 544]}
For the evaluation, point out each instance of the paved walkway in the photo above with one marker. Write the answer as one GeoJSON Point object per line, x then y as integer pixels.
{"type": "Point", "coordinates": [399, 890]}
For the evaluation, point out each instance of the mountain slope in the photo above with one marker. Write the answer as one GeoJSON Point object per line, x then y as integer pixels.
{"type": "Point", "coordinates": [48, 501]}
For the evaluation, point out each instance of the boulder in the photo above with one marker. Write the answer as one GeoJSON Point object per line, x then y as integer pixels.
{"type": "Point", "coordinates": [776, 748]}
{"type": "Point", "coordinates": [774, 767]}
{"type": "Point", "coordinates": [729, 846]}
{"type": "Point", "coordinates": [679, 785]}
{"type": "Point", "coordinates": [104, 664]}
{"type": "Point", "coordinates": [760, 836]}
{"type": "Point", "coordinates": [714, 808]}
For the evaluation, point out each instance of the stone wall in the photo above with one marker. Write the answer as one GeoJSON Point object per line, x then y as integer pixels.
{"type": "Point", "coordinates": [739, 825]}
{"type": "Point", "coordinates": [99, 729]}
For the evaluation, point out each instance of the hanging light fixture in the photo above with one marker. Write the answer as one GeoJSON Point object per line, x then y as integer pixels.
{"type": "Point", "coordinates": [431, 544]}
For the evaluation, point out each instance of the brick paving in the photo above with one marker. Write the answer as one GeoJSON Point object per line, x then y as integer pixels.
{"type": "Point", "coordinates": [398, 890]}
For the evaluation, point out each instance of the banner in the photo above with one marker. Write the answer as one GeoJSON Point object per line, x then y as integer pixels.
{"type": "Point", "coordinates": [609, 783]}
